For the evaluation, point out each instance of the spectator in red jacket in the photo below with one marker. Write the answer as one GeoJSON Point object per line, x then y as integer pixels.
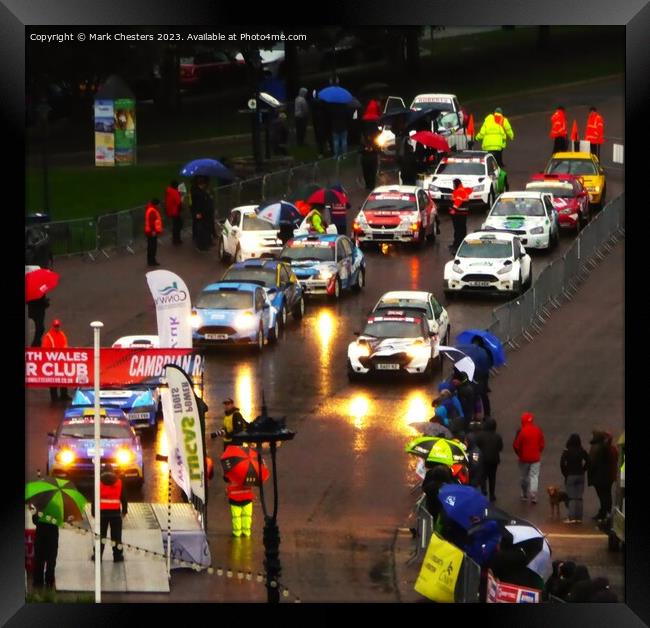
{"type": "Point", "coordinates": [529, 445]}
{"type": "Point", "coordinates": [173, 206]}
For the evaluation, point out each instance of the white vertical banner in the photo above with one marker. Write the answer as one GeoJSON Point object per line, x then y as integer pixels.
{"type": "Point", "coordinates": [617, 156]}
{"type": "Point", "coordinates": [585, 146]}
{"type": "Point", "coordinates": [188, 434]}
{"type": "Point", "coordinates": [174, 453]}
{"type": "Point", "coordinates": [173, 308]}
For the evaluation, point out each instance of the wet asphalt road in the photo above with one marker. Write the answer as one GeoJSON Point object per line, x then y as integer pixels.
{"type": "Point", "coordinates": [344, 481]}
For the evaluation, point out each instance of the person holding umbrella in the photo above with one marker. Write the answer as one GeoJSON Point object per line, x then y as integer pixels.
{"type": "Point", "coordinates": [202, 212]}
{"type": "Point", "coordinates": [36, 311]}
{"type": "Point", "coordinates": [46, 549]}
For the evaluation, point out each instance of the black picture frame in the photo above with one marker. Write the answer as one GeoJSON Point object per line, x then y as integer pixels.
{"type": "Point", "coordinates": [17, 15]}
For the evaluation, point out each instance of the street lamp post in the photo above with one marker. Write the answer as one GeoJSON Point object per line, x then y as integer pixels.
{"type": "Point", "coordinates": [97, 325]}
{"type": "Point", "coordinates": [266, 429]}
{"type": "Point", "coordinates": [43, 110]}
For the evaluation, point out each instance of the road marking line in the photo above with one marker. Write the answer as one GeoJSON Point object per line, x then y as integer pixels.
{"type": "Point", "coordinates": [558, 535]}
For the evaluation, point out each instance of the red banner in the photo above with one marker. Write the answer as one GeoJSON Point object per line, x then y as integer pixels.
{"type": "Point", "coordinates": [74, 366]}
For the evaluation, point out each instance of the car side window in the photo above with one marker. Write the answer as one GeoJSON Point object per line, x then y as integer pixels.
{"type": "Point", "coordinates": [549, 206]}
{"type": "Point", "coordinates": [491, 166]}
{"type": "Point", "coordinates": [347, 247]}
{"type": "Point", "coordinates": [436, 307]}
{"type": "Point", "coordinates": [259, 300]}
{"type": "Point", "coordinates": [516, 247]}
{"type": "Point", "coordinates": [422, 199]}
{"type": "Point", "coordinates": [340, 252]}
{"type": "Point", "coordinates": [284, 275]}
{"type": "Point", "coordinates": [234, 218]}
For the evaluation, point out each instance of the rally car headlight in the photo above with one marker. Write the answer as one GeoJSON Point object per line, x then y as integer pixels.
{"type": "Point", "coordinates": [195, 320]}
{"type": "Point", "coordinates": [478, 188]}
{"type": "Point", "coordinates": [245, 320]}
{"type": "Point", "coordinates": [434, 188]}
{"type": "Point", "coordinates": [361, 219]}
{"type": "Point", "coordinates": [419, 351]}
{"type": "Point", "coordinates": [537, 231]}
{"type": "Point", "coordinates": [65, 457]}
{"type": "Point", "coordinates": [123, 456]}
{"type": "Point", "coordinates": [360, 350]}
{"type": "Point", "coordinates": [326, 274]}
{"type": "Point", "coordinates": [456, 268]}
{"type": "Point", "coordinates": [504, 270]}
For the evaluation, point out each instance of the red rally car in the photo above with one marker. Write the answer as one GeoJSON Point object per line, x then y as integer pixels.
{"type": "Point", "coordinates": [570, 198]}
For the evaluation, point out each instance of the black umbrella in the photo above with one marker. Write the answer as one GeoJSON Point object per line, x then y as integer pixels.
{"type": "Point", "coordinates": [392, 116]}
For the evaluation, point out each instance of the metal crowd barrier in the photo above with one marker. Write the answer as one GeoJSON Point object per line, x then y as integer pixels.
{"type": "Point", "coordinates": [526, 314]}
{"type": "Point", "coordinates": [120, 230]}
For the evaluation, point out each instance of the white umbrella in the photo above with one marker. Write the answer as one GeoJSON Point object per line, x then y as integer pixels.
{"type": "Point", "coordinates": [462, 362]}
{"type": "Point", "coordinates": [534, 543]}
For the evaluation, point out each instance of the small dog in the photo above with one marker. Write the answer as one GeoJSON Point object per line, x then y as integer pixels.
{"type": "Point", "coordinates": [555, 498]}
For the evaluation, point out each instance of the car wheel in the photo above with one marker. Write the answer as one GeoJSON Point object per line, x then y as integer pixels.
{"type": "Point", "coordinates": [274, 332]}
{"type": "Point", "coordinates": [238, 255]}
{"type": "Point", "coordinates": [337, 289]}
{"type": "Point", "coordinates": [422, 239]}
{"type": "Point", "coordinates": [429, 371]}
{"type": "Point", "coordinates": [282, 316]}
{"type": "Point", "coordinates": [299, 309]}
{"type": "Point", "coordinates": [490, 200]}
{"type": "Point", "coordinates": [529, 281]}
{"type": "Point", "coordinates": [519, 287]}
{"type": "Point", "coordinates": [432, 234]}
{"type": "Point", "coordinates": [361, 280]}
{"type": "Point", "coordinates": [220, 250]}
{"type": "Point", "coordinates": [259, 345]}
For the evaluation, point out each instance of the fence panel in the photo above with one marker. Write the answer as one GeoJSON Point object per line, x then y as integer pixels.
{"type": "Point", "coordinates": [226, 197]}
{"type": "Point", "coordinates": [69, 237]}
{"type": "Point", "coordinates": [126, 229]}
{"type": "Point", "coordinates": [301, 175]}
{"type": "Point", "coordinates": [252, 191]}
{"type": "Point", "coordinates": [137, 222]}
{"type": "Point", "coordinates": [107, 232]}
{"type": "Point", "coordinates": [327, 172]}
{"type": "Point", "coordinates": [276, 184]}
{"type": "Point", "coordinates": [571, 264]}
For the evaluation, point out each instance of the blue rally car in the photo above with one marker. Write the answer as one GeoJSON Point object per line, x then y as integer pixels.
{"type": "Point", "coordinates": [140, 404]}
{"type": "Point", "coordinates": [279, 281]}
{"type": "Point", "coordinates": [326, 264]}
{"type": "Point", "coordinates": [71, 448]}
{"type": "Point", "coordinates": [228, 313]}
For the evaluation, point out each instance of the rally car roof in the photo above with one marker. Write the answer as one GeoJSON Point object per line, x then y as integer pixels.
{"type": "Point", "coordinates": [263, 262]}
{"type": "Point", "coordinates": [520, 194]}
{"type": "Point", "coordinates": [572, 155]}
{"type": "Point", "coordinates": [406, 294]}
{"type": "Point", "coordinates": [405, 189]}
{"type": "Point", "coordinates": [89, 411]}
{"type": "Point", "coordinates": [321, 237]}
{"type": "Point", "coordinates": [491, 234]}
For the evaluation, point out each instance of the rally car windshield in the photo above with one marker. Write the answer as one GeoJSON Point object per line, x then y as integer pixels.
{"type": "Point", "coordinates": [267, 275]}
{"type": "Point", "coordinates": [461, 167]}
{"type": "Point", "coordinates": [485, 249]}
{"type": "Point", "coordinates": [400, 303]}
{"type": "Point", "coordinates": [299, 251]}
{"type": "Point", "coordinates": [564, 191]}
{"type": "Point", "coordinates": [225, 300]}
{"type": "Point", "coordinates": [253, 223]}
{"type": "Point", "coordinates": [396, 203]}
{"type": "Point", "coordinates": [571, 166]}
{"type": "Point", "coordinates": [518, 207]}
{"type": "Point", "coordinates": [87, 430]}
{"type": "Point", "coordinates": [393, 329]}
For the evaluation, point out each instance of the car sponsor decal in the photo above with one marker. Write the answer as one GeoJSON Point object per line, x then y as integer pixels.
{"type": "Point", "coordinates": [514, 223]}
{"type": "Point", "coordinates": [392, 196]}
{"type": "Point", "coordinates": [303, 244]}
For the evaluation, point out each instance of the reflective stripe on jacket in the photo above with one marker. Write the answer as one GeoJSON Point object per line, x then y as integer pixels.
{"type": "Point", "coordinates": [110, 496]}
{"type": "Point", "coordinates": [492, 134]}
{"type": "Point", "coordinates": [558, 124]}
{"type": "Point", "coordinates": [152, 221]}
{"type": "Point", "coordinates": [595, 132]}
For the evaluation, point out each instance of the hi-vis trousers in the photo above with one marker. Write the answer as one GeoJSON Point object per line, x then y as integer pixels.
{"type": "Point", "coordinates": [242, 518]}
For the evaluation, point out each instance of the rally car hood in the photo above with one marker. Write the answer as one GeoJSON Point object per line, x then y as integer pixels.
{"type": "Point", "coordinates": [515, 221]}
{"type": "Point", "coordinates": [81, 446]}
{"type": "Point", "coordinates": [309, 268]}
{"type": "Point", "coordinates": [381, 217]}
{"type": "Point", "coordinates": [447, 180]}
{"type": "Point", "coordinates": [469, 264]}
{"type": "Point", "coordinates": [388, 346]}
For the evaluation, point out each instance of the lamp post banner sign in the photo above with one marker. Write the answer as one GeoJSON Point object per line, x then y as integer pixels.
{"type": "Point", "coordinates": [184, 412]}
{"type": "Point", "coordinates": [173, 308]}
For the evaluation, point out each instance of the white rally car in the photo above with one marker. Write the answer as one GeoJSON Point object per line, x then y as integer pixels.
{"type": "Point", "coordinates": [425, 302]}
{"type": "Point", "coordinates": [476, 169]}
{"type": "Point", "coordinates": [244, 235]}
{"type": "Point", "coordinates": [529, 215]}
{"type": "Point", "coordinates": [394, 341]}
{"type": "Point", "coordinates": [489, 261]}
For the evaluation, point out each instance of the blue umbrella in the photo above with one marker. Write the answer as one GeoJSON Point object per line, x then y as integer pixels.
{"type": "Point", "coordinates": [465, 505]}
{"type": "Point", "coordinates": [490, 342]}
{"type": "Point", "coordinates": [279, 211]}
{"type": "Point", "coordinates": [207, 168]}
{"type": "Point", "coordinates": [480, 357]}
{"type": "Point", "coordinates": [335, 94]}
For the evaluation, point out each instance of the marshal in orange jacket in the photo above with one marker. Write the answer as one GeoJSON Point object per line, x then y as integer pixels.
{"type": "Point", "coordinates": [595, 131]}
{"type": "Point", "coordinates": [152, 220]}
{"type": "Point", "coordinates": [558, 124]}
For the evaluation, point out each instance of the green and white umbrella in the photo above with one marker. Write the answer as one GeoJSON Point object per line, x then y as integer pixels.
{"type": "Point", "coordinates": [56, 500]}
{"type": "Point", "coordinates": [437, 450]}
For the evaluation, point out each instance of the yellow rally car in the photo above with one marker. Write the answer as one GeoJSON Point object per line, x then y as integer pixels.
{"type": "Point", "coordinates": [587, 167]}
